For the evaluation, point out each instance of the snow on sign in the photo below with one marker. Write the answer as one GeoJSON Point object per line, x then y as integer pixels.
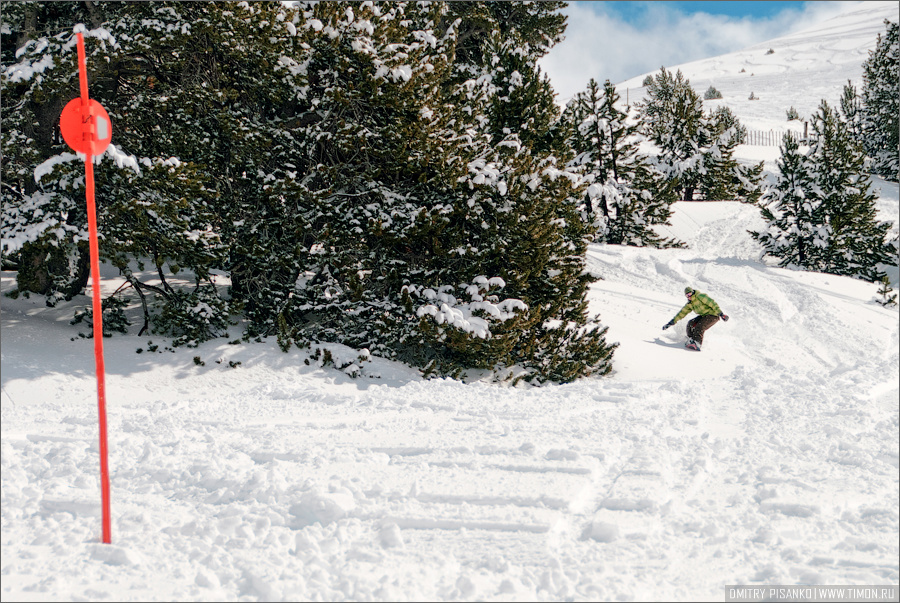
{"type": "Point", "coordinates": [86, 128]}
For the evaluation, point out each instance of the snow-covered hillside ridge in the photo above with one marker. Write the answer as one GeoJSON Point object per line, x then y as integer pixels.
{"type": "Point", "coordinates": [804, 68]}
{"type": "Point", "coordinates": [243, 473]}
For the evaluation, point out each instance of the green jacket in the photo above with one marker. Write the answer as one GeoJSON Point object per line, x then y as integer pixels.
{"type": "Point", "coordinates": [700, 303]}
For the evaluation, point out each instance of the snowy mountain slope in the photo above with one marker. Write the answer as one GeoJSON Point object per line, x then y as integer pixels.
{"type": "Point", "coordinates": [805, 67]}
{"type": "Point", "coordinates": [771, 457]}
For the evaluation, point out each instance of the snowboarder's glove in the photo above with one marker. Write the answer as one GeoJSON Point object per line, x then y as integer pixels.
{"type": "Point", "coordinates": [724, 317]}
{"type": "Point", "coordinates": [667, 325]}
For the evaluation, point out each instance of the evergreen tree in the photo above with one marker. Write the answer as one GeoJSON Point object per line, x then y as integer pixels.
{"type": "Point", "coordinates": [547, 270]}
{"type": "Point", "coordinates": [695, 149]}
{"type": "Point", "coordinates": [429, 201]}
{"type": "Point", "coordinates": [722, 176]}
{"type": "Point", "coordinates": [796, 230]}
{"type": "Point", "coordinates": [381, 154]}
{"type": "Point", "coordinates": [532, 27]}
{"type": "Point", "coordinates": [39, 220]}
{"type": "Point", "coordinates": [851, 112]}
{"type": "Point", "coordinates": [385, 175]}
{"type": "Point", "coordinates": [881, 104]}
{"type": "Point", "coordinates": [671, 118]}
{"type": "Point", "coordinates": [857, 240]}
{"type": "Point", "coordinates": [711, 93]}
{"type": "Point", "coordinates": [412, 232]}
{"type": "Point", "coordinates": [508, 216]}
{"type": "Point", "coordinates": [630, 196]}
{"type": "Point", "coordinates": [888, 297]}
{"type": "Point", "coordinates": [821, 214]}
{"type": "Point", "coordinates": [179, 80]}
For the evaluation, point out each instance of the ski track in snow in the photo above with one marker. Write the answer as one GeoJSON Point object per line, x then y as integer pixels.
{"type": "Point", "coordinates": [770, 457]}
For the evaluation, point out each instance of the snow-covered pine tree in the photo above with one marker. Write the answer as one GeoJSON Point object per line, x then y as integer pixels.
{"type": "Point", "coordinates": [184, 86]}
{"type": "Point", "coordinates": [540, 244]}
{"type": "Point", "coordinates": [626, 195]}
{"type": "Point", "coordinates": [534, 27]}
{"type": "Point", "coordinates": [851, 111]}
{"type": "Point", "coordinates": [586, 137]}
{"type": "Point", "coordinates": [39, 220]}
{"type": "Point", "coordinates": [856, 239]}
{"type": "Point", "coordinates": [381, 152]}
{"type": "Point", "coordinates": [226, 78]}
{"type": "Point", "coordinates": [696, 149]}
{"type": "Point", "coordinates": [722, 177]}
{"type": "Point", "coordinates": [821, 213]}
{"type": "Point", "coordinates": [519, 32]}
{"type": "Point", "coordinates": [44, 217]}
{"type": "Point", "coordinates": [796, 231]}
{"type": "Point", "coordinates": [888, 296]}
{"type": "Point", "coordinates": [711, 94]}
{"type": "Point", "coordinates": [402, 198]}
{"type": "Point", "coordinates": [347, 168]}
{"type": "Point", "coordinates": [671, 118]}
{"type": "Point", "coordinates": [881, 104]}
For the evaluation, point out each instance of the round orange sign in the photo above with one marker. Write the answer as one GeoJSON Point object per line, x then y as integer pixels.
{"type": "Point", "coordinates": [88, 129]}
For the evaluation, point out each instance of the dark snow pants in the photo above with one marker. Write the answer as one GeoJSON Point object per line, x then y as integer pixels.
{"type": "Point", "coordinates": [697, 325]}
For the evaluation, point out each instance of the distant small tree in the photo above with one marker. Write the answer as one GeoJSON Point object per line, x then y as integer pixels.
{"type": "Point", "coordinates": [888, 297]}
{"type": "Point", "coordinates": [851, 111]}
{"type": "Point", "coordinates": [793, 114]}
{"type": "Point", "coordinates": [711, 93]}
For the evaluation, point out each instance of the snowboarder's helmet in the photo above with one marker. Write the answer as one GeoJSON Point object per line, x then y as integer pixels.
{"type": "Point", "coordinates": [689, 291]}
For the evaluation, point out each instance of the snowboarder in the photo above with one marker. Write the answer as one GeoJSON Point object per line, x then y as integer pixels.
{"type": "Point", "coordinates": [708, 314]}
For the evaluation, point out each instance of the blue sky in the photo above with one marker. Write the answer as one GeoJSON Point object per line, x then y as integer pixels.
{"type": "Point", "coordinates": [632, 12]}
{"type": "Point", "coordinates": [622, 40]}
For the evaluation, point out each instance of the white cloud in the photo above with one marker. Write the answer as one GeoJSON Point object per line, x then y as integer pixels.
{"type": "Point", "coordinates": [602, 46]}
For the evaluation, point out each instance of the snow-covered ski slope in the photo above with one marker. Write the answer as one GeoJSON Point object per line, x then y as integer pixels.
{"type": "Point", "coordinates": [771, 457]}
{"type": "Point", "coordinates": [804, 68]}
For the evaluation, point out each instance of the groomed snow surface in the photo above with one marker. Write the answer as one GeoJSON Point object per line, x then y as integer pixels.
{"type": "Point", "coordinates": [770, 457]}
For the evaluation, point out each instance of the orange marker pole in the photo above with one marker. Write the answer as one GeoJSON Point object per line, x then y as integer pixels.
{"type": "Point", "coordinates": [89, 126]}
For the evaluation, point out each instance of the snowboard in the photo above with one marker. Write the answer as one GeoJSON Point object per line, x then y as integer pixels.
{"type": "Point", "coordinates": [692, 346]}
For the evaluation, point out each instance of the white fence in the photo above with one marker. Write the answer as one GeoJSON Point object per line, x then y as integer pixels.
{"type": "Point", "coordinates": [772, 138]}
{"type": "Point", "coordinates": [763, 138]}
